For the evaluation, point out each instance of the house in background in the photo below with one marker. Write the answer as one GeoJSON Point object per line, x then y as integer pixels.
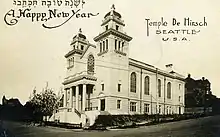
{"type": "Point", "coordinates": [13, 102]}
{"type": "Point", "coordinates": [199, 98]}
{"type": "Point", "coordinates": [102, 79]}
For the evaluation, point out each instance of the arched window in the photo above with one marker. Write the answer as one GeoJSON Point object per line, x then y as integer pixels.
{"type": "Point", "coordinates": [133, 82]}
{"type": "Point", "coordinates": [90, 64]}
{"type": "Point", "coordinates": [147, 85]}
{"type": "Point", "coordinates": [159, 87]}
{"type": "Point", "coordinates": [169, 90]}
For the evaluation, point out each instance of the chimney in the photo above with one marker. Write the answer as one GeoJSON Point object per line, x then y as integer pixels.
{"type": "Point", "coordinates": [169, 67]}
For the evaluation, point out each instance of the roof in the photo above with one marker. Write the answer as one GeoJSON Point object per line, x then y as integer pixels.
{"type": "Point", "coordinates": [80, 36]}
{"type": "Point", "coordinates": [151, 68]}
{"type": "Point", "coordinates": [114, 13]}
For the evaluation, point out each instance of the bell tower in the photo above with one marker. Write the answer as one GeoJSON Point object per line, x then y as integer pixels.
{"type": "Point", "coordinates": [113, 55]}
{"type": "Point", "coordinates": [113, 39]}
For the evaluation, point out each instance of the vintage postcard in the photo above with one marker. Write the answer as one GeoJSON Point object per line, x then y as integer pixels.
{"type": "Point", "coordinates": [128, 68]}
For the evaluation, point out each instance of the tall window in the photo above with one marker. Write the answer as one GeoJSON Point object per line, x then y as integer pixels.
{"type": "Point", "coordinates": [119, 87]}
{"type": "Point", "coordinates": [90, 64]}
{"type": "Point", "coordinates": [82, 47]}
{"type": "Point", "coordinates": [116, 44]}
{"type": "Point", "coordinates": [61, 101]}
{"type": "Point", "coordinates": [103, 87]}
{"type": "Point", "coordinates": [119, 45]}
{"type": "Point", "coordinates": [169, 90]}
{"type": "Point", "coordinates": [103, 45]}
{"type": "Point", "coordinates": [133, 82]}
{"type": "Point", "coordinates": [167, 109]}
{"type": "Point", "coordinates": [71, 62]}
{"type": "Point", "coordinates": [122, 46]}
{"type": "Point", "coordinates": [179, 86]}
{"type": "Point", "coordinates": [100, 46]}
{"type": "Point", "coordinates": [147, 85]}
{"type": "Point", "coordinates": [118, 104]}
{"type": "Point", "coordinates": [106, 44]}
{"type": "Point", "coordinates": [133, 106]}
{"type": "Point", "coordinates": [159, 109]}
{"type": "Point", "coordinates": [106, 27]}
{"type": "Point", "coordinates": [159, 88]}
{"type": "Point", "coordinates": [117, 27]}
{"type": "Point", "coordinates": [146, 108]}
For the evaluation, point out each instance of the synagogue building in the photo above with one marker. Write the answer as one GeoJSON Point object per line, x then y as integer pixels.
{"type": "Point", "coordinates": [102, 79]}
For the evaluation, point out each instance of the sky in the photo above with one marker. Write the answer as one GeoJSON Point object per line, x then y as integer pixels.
{"type": "Point", "coordinates": [31, 55]}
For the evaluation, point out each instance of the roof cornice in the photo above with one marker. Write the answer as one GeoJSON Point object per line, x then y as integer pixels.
{"type": "Point", "coordinates": [113, 32]}
{"type": "Point", "coordinates": [155, 70]}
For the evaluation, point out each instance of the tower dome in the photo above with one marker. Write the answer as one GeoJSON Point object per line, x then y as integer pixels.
{"type": "Point", "coordinates": [80, 35]}
{"type": "Point", "coordinates": [113, 12]}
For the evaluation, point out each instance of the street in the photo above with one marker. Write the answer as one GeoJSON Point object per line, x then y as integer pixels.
{"type": "Point", "coordinates": [201, 127]}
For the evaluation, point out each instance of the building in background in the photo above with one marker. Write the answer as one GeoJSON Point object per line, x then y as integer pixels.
{"type": "Point", "coordinates": [198, 96]}
{"type": "Point", "coordinates": [102, 79]}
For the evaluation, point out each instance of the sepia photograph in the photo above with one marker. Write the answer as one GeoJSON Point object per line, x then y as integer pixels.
{"type": "Point", "coordinates": [113, 68]}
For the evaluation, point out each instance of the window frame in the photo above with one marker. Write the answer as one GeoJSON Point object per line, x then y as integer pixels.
{"type": "Point", "coordinates": [90, 64]}
{"type": "Point", "coordinates": [117, 27]}
{"type": "Point", "coordinates": [159, 86]}
{"type": "Point", "coordinates": [100, 46]}
{"type": "Point", "coordinates": [133, 82]}
{"type": "Point", "coordinates": [147, 108]}
{"type": "Point", "coordinates": [119, 87]}
{"type": "Point", "coordinates": [103, 87]}
{"type": "Point", "coordinates": [169, 90]}
{"type": "Point", "coordinates": [118, 104]}
{"type": "Point", "coordinates": [147, 85]}
{"type": "Point", "coordinates": [133, 106]}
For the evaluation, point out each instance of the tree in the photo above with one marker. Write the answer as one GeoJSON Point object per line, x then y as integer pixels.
{"type": "Point", "coordinates": [44, 103]}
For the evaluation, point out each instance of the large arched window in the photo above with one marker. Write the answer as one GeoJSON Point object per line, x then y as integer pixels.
{"type": "Point", "coordinates": [133, 82]}
{"type": "Point", "coordinates": [147, 85]}
{"type": "Point", "coordinates": [169, 90]}
{"type": "Point", "coordinates": [159, 87]}
{"type": "Point", "coordinates": [90, 64]}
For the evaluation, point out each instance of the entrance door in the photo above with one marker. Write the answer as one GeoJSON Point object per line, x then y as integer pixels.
{"type": "Point", "coordinates": [179, 110]}
{"type": "Point", "coordinates": [102, 104]}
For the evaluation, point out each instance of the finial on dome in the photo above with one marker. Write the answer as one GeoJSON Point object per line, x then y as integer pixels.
{"type": "Point", "coordinates": [113, 7]}
{"type": "Point", "coordinates": [80, 30]}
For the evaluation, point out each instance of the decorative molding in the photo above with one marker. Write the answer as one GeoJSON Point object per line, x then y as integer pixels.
{"type": "Point", "coordinates": [113, 32]}
{"type": "Point", "coordinates": [74, 51]}
{"type": "Point", "coordinates": [88, 77]}
{"type": "Point", "coordinates": [101, 53]}
{"type": "Point", "coordinates": [70, 67]}
{"type": "Point", "coordinates": [121, 22]}
{"type": "Point", "coordinates": [119, 52]}
{"type": "Point", "coordinates": [153, 69]}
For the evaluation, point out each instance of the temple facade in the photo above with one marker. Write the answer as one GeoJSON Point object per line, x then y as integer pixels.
{"type": "Point", "coordinates": [102, 79]}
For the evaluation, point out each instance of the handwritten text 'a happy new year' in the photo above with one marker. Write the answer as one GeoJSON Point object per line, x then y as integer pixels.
{"type": "Point", "coordinates": [26, 10]}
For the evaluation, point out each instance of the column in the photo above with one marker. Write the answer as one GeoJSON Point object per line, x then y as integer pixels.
{"type": "Point", "coordinates": [71, 97]}
{"type": "Point", "coordinates": [84, 98]}
{"type": "Point", "coordinates": [77, 97]}
{"type": "Point", "coordinates": [65, 97]}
